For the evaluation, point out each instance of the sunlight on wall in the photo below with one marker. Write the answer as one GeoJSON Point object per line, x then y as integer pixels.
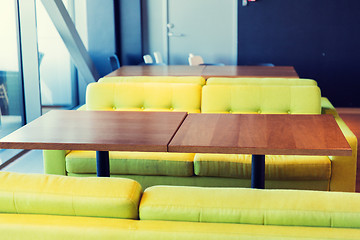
{"type": "Point", "coordinates": [8, 46]}
{"type": "Point", "coordinates": [55, 66]}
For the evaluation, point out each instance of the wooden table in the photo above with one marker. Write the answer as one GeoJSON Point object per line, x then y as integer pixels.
{"type": "Point", "coordinates": [260, 134]}
{"type": "Point", "coordinates": [206, 71]}
{"type": "Point", "coordinates": [101, 131]}
{"type": "Point", "coordinates": [154, 70]}
{"type": "Point", "coordinates": [249, 71]}
{"type": "Point", "coordinates": [256, 134]}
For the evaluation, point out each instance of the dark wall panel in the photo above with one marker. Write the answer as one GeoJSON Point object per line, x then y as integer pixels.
{"type": "Point", "coordinates": [101, 37]}
{"type": "Point", "coordinates": [321, 39]}
{"type": "Point", "coordinates": [128, 32]}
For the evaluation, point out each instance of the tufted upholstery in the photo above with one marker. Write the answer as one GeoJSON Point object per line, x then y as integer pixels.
{"type": "Point", "coordinates": [154, 79]}
{"type": "Point", "coordinates": [274, 99]}
{"type": "Point", "coordinates": [126, 96]}
{"type": "Point", "coordinates": [143, 97]}
{"type": "Point", "coordinates": [262, 81]}
{"type": "Point", "coordinates": [331, 173]}
{"type": "Point", "coordinates": [271, 99]}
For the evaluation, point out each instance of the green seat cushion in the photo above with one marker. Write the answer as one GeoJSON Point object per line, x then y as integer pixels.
{"type": "Point", "coordinates": [72, 196]}
{"type": "Point", "coordinates": [277, 167]}
{"type": "Point", "coordinates": [251, 206]}
{"type": "Point", "coordinates": [139, 163]}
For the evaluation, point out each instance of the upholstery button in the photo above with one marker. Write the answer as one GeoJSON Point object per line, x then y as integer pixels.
{"type": "Point", "coordinates": [171, 109]}
{"type": "Point", "coordinates": [259, 111]}
{"type": "Point", "coordinates": [289, 112]}
{"type": "Point", "coordinates": [142, 108]}
{"type": "Point", "coordinates": [230, 111]}
{"type": "Point", "coordinates": [114, 108]}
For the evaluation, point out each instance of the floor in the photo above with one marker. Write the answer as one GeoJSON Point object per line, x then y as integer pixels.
{"type": "Point", "coordinates": [32, 161]}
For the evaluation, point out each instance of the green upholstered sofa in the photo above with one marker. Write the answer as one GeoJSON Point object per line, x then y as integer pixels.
{"type": "Point", "coordinates": [281, 96]}
{"type": "Point", "coordinates": [58, 207]}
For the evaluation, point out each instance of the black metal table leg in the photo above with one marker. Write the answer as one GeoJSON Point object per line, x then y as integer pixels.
{"type": "Point", "coordinates": [258, 171]}
{"type": "Point", "coordinates": [102, 164]}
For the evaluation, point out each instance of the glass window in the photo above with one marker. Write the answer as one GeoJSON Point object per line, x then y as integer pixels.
{"type": "Point", "coordinates": [11, 87]}
{"type": "Point", "coordinates": [57, 73]}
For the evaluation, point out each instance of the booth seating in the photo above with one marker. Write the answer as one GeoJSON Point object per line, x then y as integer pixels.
{"type": "Point", "coordinates": [212, 170]}
{"type": "Point", "coordinates": [339, 167]}
{"type": "Point", "coordinates": [57, 207]}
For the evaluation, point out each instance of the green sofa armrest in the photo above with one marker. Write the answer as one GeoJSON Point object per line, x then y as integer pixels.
{"type": "Point", "coordinates": [343, 168]}
{"type": "Point", "coordinates": [327, 107]}
{"type": "Point", "coordinates": [54, 161]}
{"type": "Point", "coordinates": [251, 206]}
{"type": "Point", "coordinates": [69, 196]}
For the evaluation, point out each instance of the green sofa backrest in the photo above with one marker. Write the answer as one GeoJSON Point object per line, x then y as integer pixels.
{"type": "Point", "coordinates": [251, 206]}
{"type": "Point", "coordinates": [144, 97]}
{"type": "Point", "coordinates": [262, 81]}
{"type": "Point", "coordinates": [71, 196]}
{"type": "Point", "coordinates": [261, 99]}
{"type": "Point", "coordinates": [154, 79]}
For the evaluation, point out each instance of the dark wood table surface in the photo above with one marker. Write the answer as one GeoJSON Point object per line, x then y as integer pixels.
{"type": "Point", "coordinates": [249, 71]}
{"type": "Point", "coordinates": [97, 131]}
{"type": "Point", "coordinates": [206, 71]}
{"type": "Point", "coordinates": [256, 134]}
{"type": "Point", "coordinates": [273, 134]}
{"type": "Point", "coordinates": [156, 70]}
{"type": "Point", "coordinates": [260, 135]}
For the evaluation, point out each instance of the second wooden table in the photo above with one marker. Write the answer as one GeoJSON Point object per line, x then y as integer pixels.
{"type": "Point", "coordinates": [260, 134]}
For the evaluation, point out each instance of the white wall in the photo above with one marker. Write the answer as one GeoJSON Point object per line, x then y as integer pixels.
{"type": "Point", "coordinates": [55, 67]}
{"type": "Point", "coordinates": [8, 46]}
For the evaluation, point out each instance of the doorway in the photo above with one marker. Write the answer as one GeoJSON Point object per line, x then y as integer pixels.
{"type": "Point", "coordinates": [203, 27]}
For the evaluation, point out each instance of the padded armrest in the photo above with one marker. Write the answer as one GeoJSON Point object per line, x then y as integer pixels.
{"type": "Point", "coordinates": [343, 168]}
{"type": "Point", "coordinates": [72, 196]}
{"type": "Point", "coordinates": [327, 107]}
{"type": "Point", "coordinates": [251, 206]}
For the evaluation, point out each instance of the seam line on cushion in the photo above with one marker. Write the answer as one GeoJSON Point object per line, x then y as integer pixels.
{"type": "Point", "coordinates": [252, 209]}
{"type": "Point", "coordinates": [14, 202]}
{"type": "Point", "coordinates": [72, 205]}
{"type": "Point", "coordinates": [136, 205]}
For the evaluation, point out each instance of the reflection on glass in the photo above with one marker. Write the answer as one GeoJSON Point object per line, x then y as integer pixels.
{"type": "Point", "coordinates": [11, 89]}
{"type": "Point", "coordinates": [11, 93]}
{"type": "Point", "coordinates": [56, 69]}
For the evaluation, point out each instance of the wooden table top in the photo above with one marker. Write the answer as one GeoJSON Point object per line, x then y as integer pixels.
{"type": "Point", "coordinates": [206, 71]}
{"type": "Point", "coordinates": [250, 71]}
{"type": "Point", "coordinates": [97, 130]}
{"type": "Point", "coordinates": [261, 134]}
{"type": "Point", "coordinates": [156, 70]}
